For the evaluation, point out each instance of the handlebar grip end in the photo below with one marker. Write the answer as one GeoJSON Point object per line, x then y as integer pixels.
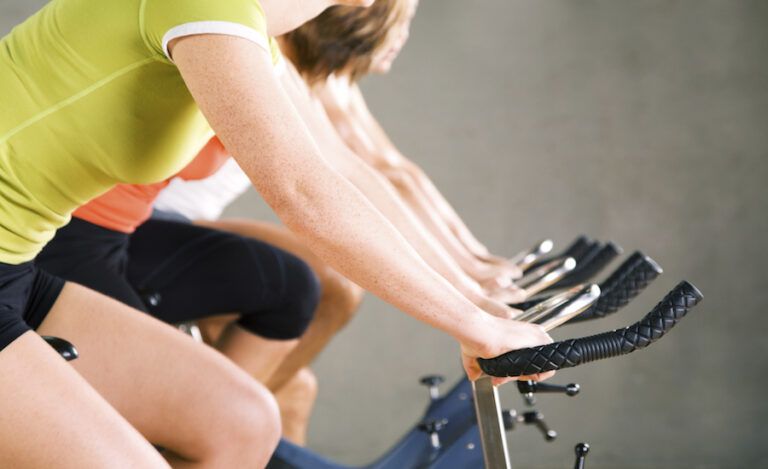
{"type": "Point", "coordinates": [573, 352]}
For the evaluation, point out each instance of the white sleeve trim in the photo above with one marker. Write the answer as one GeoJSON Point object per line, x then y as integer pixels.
{"type": "Point", "coordinates": [214, 27]}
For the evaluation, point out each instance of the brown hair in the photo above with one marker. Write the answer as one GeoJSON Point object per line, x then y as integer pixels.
{"type": "Point", "coordinates": [342, 39]}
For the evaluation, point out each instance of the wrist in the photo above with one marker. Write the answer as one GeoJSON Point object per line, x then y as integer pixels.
{"type": "Point", "coordinates": [474, 334]}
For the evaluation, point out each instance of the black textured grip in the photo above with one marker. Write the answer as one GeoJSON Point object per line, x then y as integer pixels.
{"type": "Point", "coordinates": [529, 304]}
{"type": "Point", "coordinates": [590, 267]}
{"type": "Point", "coordinates": [578, 248]}
{"type": "Point", "coordinates": [626, 282]}
{"type": "Point", "coordinates": [574, 352]}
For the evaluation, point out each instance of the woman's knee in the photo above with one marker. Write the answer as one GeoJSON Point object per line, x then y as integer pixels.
{"type": "Point", "coordinates": [298, 393]}
{"type": "Point", "coordinates": [295, 309]}
{"type": "Point", "coordinates": [340, 296]}
{"type": "Point", "coordinates": [247, 426]}
{"type": "Point", "coordinates": [305, 383]}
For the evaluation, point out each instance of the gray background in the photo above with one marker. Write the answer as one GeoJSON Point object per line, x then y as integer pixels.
{"type": "Point", "coordinates": [643, 122]}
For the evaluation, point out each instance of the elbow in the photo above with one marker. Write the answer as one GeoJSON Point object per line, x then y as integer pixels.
{"type": "Point", "coordinates": [293, 202]}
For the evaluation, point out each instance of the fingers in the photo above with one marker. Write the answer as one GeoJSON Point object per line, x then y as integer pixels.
{"type": "Point", "coordinates": [496, 381]}
{"type": "Point", "coordinates": [537, 377]}
{"type": "Point", "coordinates": [504, 280]}
{"type": "Point", "coordinates": [471, 367]}
{"type": "Point", "coordinates": [516, 272]}
{"type": "Point", "coordinates": [510, 294]}
{"type": "Point", "coordinates": [500, 309]}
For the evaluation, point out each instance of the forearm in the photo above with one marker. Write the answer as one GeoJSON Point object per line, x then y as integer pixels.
{"type": "Point", "coordinates": [383, 155]}
{"type": "Point", "coordinates": [414, 198]}
{"type": "Point", "coordinates": [431, 195]}
{"type": "Point", "coordinates": [382, 194]}
{"type": "Point", "coordinates": [386, 199]}
{"type": "Point", "coordinates": [254, 119]}
{"type": "Point", "coordinates": [344, 230]}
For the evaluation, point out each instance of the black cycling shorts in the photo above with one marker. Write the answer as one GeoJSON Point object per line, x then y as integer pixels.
{"type": "Point", "coordinates": [27, 294]}
{"type": "Point", "coordinates": [180, 272]}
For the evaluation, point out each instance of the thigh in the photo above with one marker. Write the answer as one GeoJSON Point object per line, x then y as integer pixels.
{"type": "Point", "coordinates": [147, 370]}
{"type": "Point", "coordinates": [92, 256]}
{"type": "Point", "coordinates": [272, 233]}
{"type": "Point", "coordinates": [51, 417]}
{"type": "Point", "coordinates": [198, 272]}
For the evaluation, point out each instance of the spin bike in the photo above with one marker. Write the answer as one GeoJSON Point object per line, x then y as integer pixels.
{"type": "Point", "coordinates": [465, 427]}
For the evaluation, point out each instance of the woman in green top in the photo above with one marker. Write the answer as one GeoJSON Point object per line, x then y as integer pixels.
{"type": "Point", "coordinates": [95, 93]}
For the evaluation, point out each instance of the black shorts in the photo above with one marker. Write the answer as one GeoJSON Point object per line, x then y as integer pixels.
{"type": "Point", "coordinates": [27, 294]}
{"type": "Point", "coordinates": [178, 272]}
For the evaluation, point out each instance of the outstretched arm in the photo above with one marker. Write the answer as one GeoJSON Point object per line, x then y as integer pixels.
{"type": "Point", "coordinates": [380, 192]}
{"type": "Point", "coordinates": [363, 133]}
{"type": "Point", "coordinates": [253, 117]}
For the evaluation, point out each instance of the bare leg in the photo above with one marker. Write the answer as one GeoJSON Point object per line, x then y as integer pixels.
{"type": "Point", "coordinates": [212, 328]}
{"type": "Point", "coordinates": [151, 373]}
{"type": "Point", "coordinates": [296, 400]}
{"type": "Point", "coordinates": [53, 418]}
{"type": "Point", "coordinates": [338, 303]}
{"type": "Point", "coordinates": [258, 356]}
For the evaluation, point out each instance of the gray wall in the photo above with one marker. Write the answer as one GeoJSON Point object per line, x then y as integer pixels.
{"type": "Point", "coordinates": [643, 122]}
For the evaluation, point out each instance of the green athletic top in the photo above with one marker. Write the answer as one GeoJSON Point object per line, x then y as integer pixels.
{"type": "Point", "coordinates": [89, 98]}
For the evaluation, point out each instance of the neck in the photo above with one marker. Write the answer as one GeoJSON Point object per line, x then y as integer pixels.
{"type": "Point", "coordinates": [286, 15]}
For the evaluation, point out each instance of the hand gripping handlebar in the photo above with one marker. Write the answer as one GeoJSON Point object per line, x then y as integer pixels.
{"type": "Point", "coordinates": [575, 352]}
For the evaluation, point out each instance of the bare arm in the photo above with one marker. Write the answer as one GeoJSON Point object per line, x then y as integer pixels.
{"type": "Point", "coordinates": [403, 165]}
{"type": "Point", "coordinates": [365, 136]}
{"type": "Point", "coordinates": [385, 198]}
{"type": "Point", "coordinates": [253, 117]}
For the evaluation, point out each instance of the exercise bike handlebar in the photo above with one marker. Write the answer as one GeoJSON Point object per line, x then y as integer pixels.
{"type": "Point", "coordinates": [621, 287]}
{"type": "Point", "coordinates": [577, 249]}
{"type": "Point", "coordinates": [626, 282]}
{"type": "Point", "coordinates": [587, 268]}
{"type": "Point", "coordinates": [525, 259]}
{"type": "Point", "coordinates": [575, 352]}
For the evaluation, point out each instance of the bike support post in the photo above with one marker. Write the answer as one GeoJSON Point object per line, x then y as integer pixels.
{"type": "Point", "coordinates": [491, 425]}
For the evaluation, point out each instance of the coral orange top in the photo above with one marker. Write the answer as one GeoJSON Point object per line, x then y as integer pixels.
{"type": "Point", "coordinates": [126, 206]}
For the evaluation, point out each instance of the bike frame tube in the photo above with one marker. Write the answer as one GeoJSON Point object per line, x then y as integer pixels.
{"type": "Point", "coordinates": [490, 424]}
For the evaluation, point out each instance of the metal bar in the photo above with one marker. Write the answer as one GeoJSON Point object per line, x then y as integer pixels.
{"type": "Point", "coordinates": [576, 305]}
{"type": "Point", "coordinates": [191, 329]}
{"type": "Point", "coordinates": [491, 425]}
{"type": "Point", "coordinates": [526, 258]}
{"type": "Point", "coordinates": [547, 275]}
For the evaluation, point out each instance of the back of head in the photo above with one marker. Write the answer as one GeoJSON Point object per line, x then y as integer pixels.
{"type": "Point", "coordinates": [343, 40]}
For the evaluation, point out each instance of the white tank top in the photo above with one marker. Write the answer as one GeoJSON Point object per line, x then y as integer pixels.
{"type": "Point", "coordinates": [204, 199]}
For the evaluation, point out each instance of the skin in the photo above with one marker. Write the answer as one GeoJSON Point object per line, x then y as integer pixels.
{"type": "Point", "coordinates": [130, 384]}
{"type": "Point", "coordinates": [383, 193]}
{"type": "Point", "coordinates": [261, 358]}
{"type": "Point", "coordinates": [339, 300]}
{"type": "Point", "coordinates": [384, 197]}
{"type": "Point", "coordinates": [296, 400]}
{"type": "Point", "coordinates": [294, 390]}
{"type": "Point", "coordinates": [353, 120]}
{"type": "Point", "coordinates": [319, 205]}
{"type": "Point", "coordinates": [57, 405]}
{"type": "Point", "coordinates": [140, 373]}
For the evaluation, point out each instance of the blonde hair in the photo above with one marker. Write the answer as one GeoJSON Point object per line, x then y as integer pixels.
{"type": "Point", "coordinates": [342, 40]}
